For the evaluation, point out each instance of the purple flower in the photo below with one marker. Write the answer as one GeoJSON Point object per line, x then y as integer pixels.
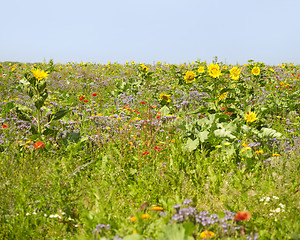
{"type": "Point", "coordinates": [187, 201]}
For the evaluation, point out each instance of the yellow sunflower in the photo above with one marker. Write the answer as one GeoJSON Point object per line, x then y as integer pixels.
{"type": "Point", "coordinates": [214, 70]}
{"type": "Point", "coordinates": [189, 76]}
{"type": "Point", "coordinates": [255, 71]}
{"type": "Point", "coordinates": [235, 73]}
{"type": "Point", "coordinates": [165, 97]}
{"type": "Point", "coordinates": [39, 74]}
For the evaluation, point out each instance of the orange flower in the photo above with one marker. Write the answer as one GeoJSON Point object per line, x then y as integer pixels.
{"type": "Point", "coordinates": [4, 126]}
{"type": "Point", "coordinates": [146, 215]}
{"type": "Point", "coordinates": [241, 216]}
{"type": "Point", "coordinates": [207, 234]}
{"type": "Point", "coordinates": [157, 208]}
{"type": "Point", "coordinates": [133, 219]}
{"type": "Point", "coordinates": [39, 144]}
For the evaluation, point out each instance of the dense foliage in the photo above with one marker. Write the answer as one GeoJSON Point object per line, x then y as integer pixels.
{"type": "Point", "coordinates": [139, 151]}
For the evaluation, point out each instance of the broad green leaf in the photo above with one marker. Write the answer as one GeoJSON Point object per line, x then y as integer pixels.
{"type": "Point", "coordinates": [59, 114]}
{"type": "Point", "coordinates": [202, 136]}
{"type": "Point", "coordinates": [192, 144]}
{"type": "Point", "coordinates": [223, 133]}
{"type": "Point", "coordinates": [269, 133]}
{"type": "Point", "coordinates": [164, 111]}
{"type": "Point", "coordinates": [24, 112]}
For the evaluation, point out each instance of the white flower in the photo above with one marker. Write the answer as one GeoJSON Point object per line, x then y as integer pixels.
{"type": "Point", "coordinates": [281, 205]}
{"type": "Point", "coordinates": [27, 214]}
{"type": "Point", "coordinates": [261, 200]}
{"type": "Point", "coordinates": [275, 197]}
{"type": "Point", "coordinates": [45, 215]}
{"type": "Point", "coordinates": [267, 199]}
{"type": "Point", "coordinates": [277, 210]}
{"type": "Point", "coordinates": [34, 213]}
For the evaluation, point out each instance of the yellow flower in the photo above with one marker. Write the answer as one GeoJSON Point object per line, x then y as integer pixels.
{"type": "Point", "coordinates": [207, 234]}
{"type": "Point", "coordinates": [39, 74]}
{"type": "Point", "coordinates": [201, 70]}
{"type": "Point", "coordinates": [255, 71]}
{"type": "Point", "coordinates": [247, 148]}
{"type": "Point", "coordinates": [275, 155]}
{"type": "Point", "coordinates": [218, 146]}
{"type": "Point", "coordinates": [250, 117]}
{"type": "Point", "coordinates": [145, 68]}
{"type": "Point", "coordinates": [134, 231]}
{"type": "Point", "coordinates": [245, 145]}
{"type": "Point", "coordinates": [260, 151]}
{"type": "Point", "coordinates": [222, 96]}
{"type": "Point", "coordinates": [225, 67]}
{"type": "Point", "coordinates": [283, 65]}
{"type": "Point", "coordinates": [189, 76]}
{"type": "Point", "coordinates": [214, 70]}
{"type": "Point", "coordinates": [235, 73]}
{"type": "Point", "coordinates": [165, 97]}
{"type": "Point", "coordinates": [227, 143]}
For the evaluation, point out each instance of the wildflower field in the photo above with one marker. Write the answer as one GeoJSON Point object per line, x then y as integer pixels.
{"type": "Point", "coordinates": [138, 151]}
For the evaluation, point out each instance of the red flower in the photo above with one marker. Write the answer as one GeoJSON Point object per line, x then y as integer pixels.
{"type": "Point", "coordinates": [223, 109]}
{"type": "Point", "coordinates": [39, 144]}
{"type": "Point", "coordinates": [145, 153]}
{"type": "Point", "coordinates": [157, 149]}
{"type": "Point", "coordinates": [85, 100]}
{"type": "Point", "coordinates": [94, 94]}
{"type": "Point", "coordinates": [4, 126]}
{"type": "Point", "coordinates": [143, 102]}
{"type": "Point", "coordinates": [158, 117]}
{"type": "Point", "coordinates": [241, 216]}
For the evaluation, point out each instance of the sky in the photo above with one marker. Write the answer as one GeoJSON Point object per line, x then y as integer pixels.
{"type": "Point", "coordinates": [170, 31]}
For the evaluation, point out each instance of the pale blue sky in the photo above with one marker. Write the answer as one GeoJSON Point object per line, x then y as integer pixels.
{"type": "Point", "coordinates": [170, 31]}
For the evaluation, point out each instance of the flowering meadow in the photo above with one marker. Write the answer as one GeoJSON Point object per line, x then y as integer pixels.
{"type": "Point", "coordinates": [137, 151]}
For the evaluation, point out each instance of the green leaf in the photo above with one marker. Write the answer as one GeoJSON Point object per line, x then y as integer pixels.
{"type": "Point", "coordinates": [132, 171]}
{"type": "Point", "coordinates": [192, 144]}
{"type": "Point", "coordinates": [71, 137]}
{"type": "Point", "coordinates": [223, 133]}
{"type": "Point", "coordinates": [229, 100]}
{"type": "Point", "coordinates": [49, 132]}
{"type": "Point", "coordinates": [38, 101]}
{"type": "Point", "coordinates": [174, 232]}
{"type": "Point", "coordinates": [24, 113]}
{"type": "Point", "coordinates": [189, 228]}
{"type": "Point", "coordinates": [164, 111]}
{"type": "Point", "coordinates": [59, 114]}
{"type": "Point", "coordinates": [224, 90]}
{"type": "Point", "coordinates": [202, 136]}
{"type": "Point", "coordinates": [41, 85]}
{"type": "Point", "coordinates": [269, 133]}
{"type": "Point", "coordinates": [134, 236]}
{"type": "Point", "coordinates": [24, 82]}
